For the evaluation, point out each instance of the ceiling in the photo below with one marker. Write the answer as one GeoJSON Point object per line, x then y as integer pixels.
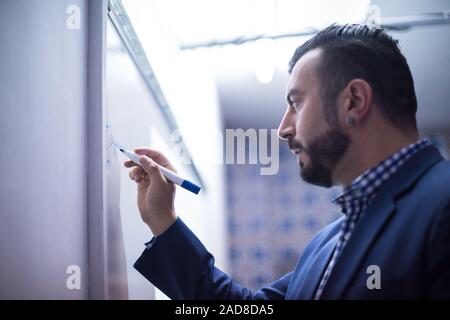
{"type": "Point", "coordinates": [251, 77]}
{"type": "Point", "coordinates": [246, 102]}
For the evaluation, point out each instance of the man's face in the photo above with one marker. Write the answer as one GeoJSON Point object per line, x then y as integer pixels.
{"type": "Point", "coordinates": [318, 143]}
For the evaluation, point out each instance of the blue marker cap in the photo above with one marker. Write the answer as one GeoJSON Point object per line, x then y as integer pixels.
{"type": "Point", "coordinates": [190, 186]}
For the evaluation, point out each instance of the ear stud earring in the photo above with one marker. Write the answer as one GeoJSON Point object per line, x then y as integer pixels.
{"type": "Point", "coordinates": [351, 121]}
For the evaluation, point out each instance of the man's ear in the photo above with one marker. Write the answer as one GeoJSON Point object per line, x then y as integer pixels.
{"type": "Point", "coordinates": [357, 101]}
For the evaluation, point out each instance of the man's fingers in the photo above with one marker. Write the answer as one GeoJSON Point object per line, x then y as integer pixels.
{"type": "Point", "coordinates": [137, 171]}
{"type": "Point", "coordinates": [137, 174]}
{"type": "Point", "coordinates": [151, 168]}
{"type": "Point", "coordinates": [148, 165]}
{"type": "Point", "coordinates": [156, 156]}
{"type": "Point", "coordinates": [129, 164]}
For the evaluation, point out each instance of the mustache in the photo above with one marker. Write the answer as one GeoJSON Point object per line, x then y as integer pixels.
{"type": "Point", "coordinates": [295, 144]}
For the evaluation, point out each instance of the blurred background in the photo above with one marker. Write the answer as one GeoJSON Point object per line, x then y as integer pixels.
{"type": "Point", "coordinates": [215, 65]}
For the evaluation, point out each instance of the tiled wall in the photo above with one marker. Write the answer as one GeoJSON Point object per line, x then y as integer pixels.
{"type": "Point", "coordinates": [271, 219]}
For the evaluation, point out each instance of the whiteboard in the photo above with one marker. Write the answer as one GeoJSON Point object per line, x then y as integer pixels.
{"type": "Point", "coordinates": [133, 119]}
{"type": "Point", "coordinates": [136, 113]}
{"type": "Point", "coordinates": [131, 114]}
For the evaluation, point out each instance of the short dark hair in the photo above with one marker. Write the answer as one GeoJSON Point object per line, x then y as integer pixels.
{"type": "Point", "coordinates": [367, 52]}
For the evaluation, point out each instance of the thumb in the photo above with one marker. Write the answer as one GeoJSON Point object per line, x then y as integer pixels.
{"type": "Point", "coordinates": [151, 168]}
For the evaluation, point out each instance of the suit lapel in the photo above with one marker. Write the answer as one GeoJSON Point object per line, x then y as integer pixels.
{"type": "Point", "coordinates": [376, 216]}
{"type": "Point", "coordinates": [316, 268]}
{"type": "Point", "coordinates": [351, 257]}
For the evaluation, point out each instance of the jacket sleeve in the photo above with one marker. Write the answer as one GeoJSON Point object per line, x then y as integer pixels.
{"type": "Point", "coordinates": [180, 266]}
{"type": "Point", "coordinates": [438, 267]}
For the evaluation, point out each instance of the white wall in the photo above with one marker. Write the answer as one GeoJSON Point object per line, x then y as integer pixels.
{"type": "Point", "coordinates": [43, 219]}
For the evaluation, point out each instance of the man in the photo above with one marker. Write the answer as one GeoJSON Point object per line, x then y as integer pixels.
{"type": "Point", "coordinates": [351, 122]}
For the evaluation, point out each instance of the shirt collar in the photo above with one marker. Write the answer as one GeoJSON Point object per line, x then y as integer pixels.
{"type": "Point", "coordinates": [365, 187]}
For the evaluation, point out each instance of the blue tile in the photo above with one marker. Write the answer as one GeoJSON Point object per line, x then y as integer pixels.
{"type": "Point", "coordinates": [288, 254]}
{"type": "Point", "coordinates": [234, 253]}
{"type": "Point", "coordinates": [310, 223]}
{"type": "Point", "coordinates": [259, 280]}
{"type": "Point", "coordinates": [286, 225]}
{"type": "Point", "coordinates": [257, 253]}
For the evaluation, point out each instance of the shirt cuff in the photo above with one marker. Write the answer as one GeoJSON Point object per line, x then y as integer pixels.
{"type": "Point", "coordinates": [149, 244]}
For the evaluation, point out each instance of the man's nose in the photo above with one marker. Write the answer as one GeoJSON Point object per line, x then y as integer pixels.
{"type": "Point", "coordinates": [287, 126]}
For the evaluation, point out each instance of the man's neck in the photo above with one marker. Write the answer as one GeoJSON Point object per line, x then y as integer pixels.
{"type": "Point", "coordinates": [362, 156]}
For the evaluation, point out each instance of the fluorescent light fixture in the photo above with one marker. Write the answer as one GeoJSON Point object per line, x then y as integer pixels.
{"type": "Point", "coordinates": [163, 25]}
{"type": "Point", "coordinates": [263, 59]}
{"type": "Point", "coordinates": [205, 20]}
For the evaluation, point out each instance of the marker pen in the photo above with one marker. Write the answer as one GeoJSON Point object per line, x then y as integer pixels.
{"type": "Point", "coordinates": [172, 176]}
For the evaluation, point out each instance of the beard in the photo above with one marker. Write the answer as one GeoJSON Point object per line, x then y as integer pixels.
{"type": "Point", "coordinates": [324, 153]}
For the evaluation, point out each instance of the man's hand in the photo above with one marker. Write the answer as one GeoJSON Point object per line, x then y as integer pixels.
{"type": "Point", "coordinates": [156, 194]}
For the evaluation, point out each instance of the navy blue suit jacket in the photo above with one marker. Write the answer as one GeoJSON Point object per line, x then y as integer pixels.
{"type": "Point", "coordinates": [405, 231]}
